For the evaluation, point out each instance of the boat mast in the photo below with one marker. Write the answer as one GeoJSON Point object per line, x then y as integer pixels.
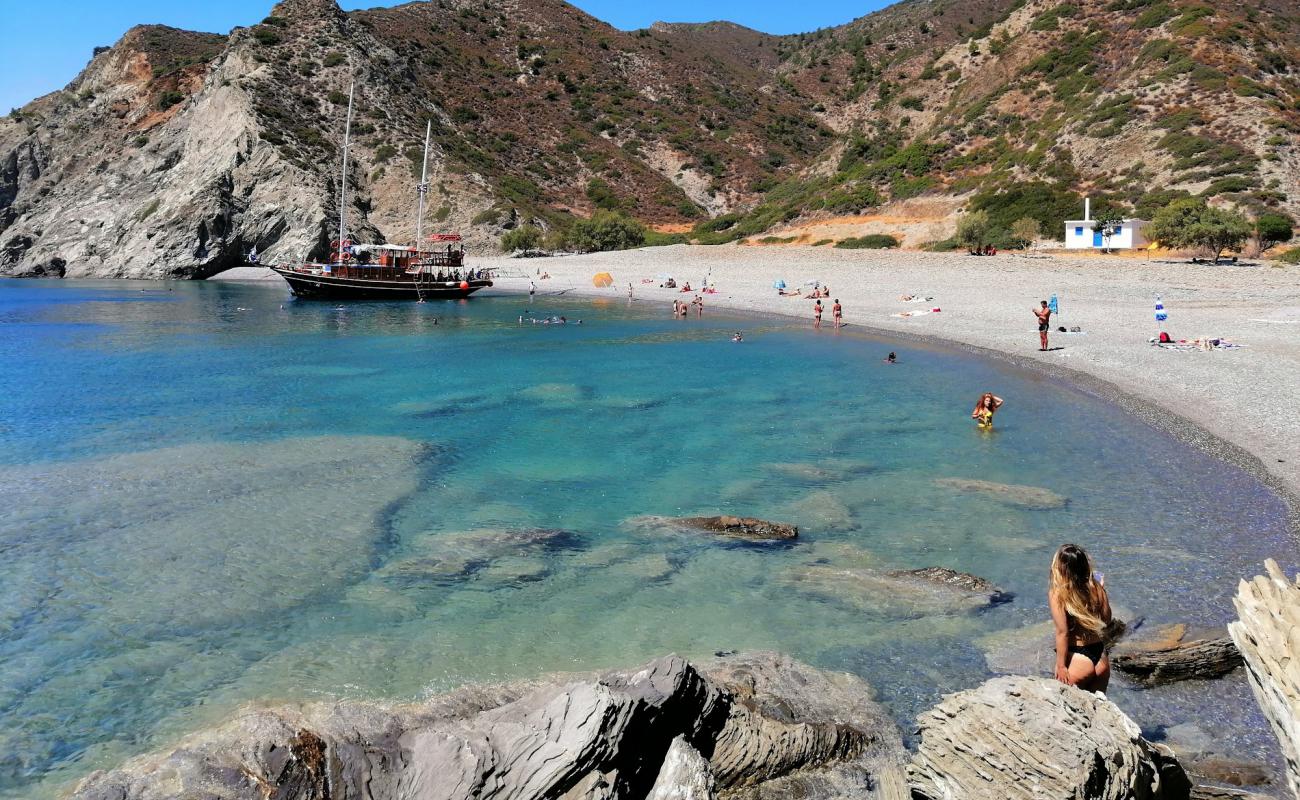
{"type": "Point", "coordinates": [423, 188]}
{"type": "Point", "coordinates": [343, 184]}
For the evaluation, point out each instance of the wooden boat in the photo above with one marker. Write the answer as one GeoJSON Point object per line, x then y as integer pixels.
{"type": "Point", "coordinates": [428, 270]}
{"type": "Point", "coordinates": [388, 272]}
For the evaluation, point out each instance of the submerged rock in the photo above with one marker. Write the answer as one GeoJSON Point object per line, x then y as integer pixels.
{"type": "Point", "coordinates": [1031, 497]}
{"type": "Point", "coordinates": [1168, 654]}
{"type": "Point", "coordinates": [1033, 738]}
{"type": "Point", "coordinates": [821, 510]}
{"type": "Point", "coordinates": [897, 593]}
{"type": "Point", "coordinates": [819, 471]}
{"type": "Point", "coordinates": [963, 581]}
{"type": "Point", "coordinates": [763, 720]}
{"type": "Point", "coordinates": [493, 553]}
{"type": "Point", "coordinates": [747, 528]}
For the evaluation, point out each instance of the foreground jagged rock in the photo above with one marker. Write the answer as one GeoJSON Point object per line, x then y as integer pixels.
{"type": "Point", "coordinates": [1268, 635]}
{"type": "Point", "coordinates": [755, 726]}
{"type": "Point", "coordinates": [1035, 738]}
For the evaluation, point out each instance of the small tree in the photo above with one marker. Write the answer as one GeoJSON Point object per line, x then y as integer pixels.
{"type": "Point", "coordinates": [526, 238]}
{"type": "Point", "coordinates": [1025, 231]}
{"type": "Point", "coordinates": [1272, 228]}
{"type": "Point", "coordinates": [1108, 223]}
{"type": "Point", "coordinates": [974, 230]}
{"type": "Point", "coordinates": [1190, 223]}
{"type": "Point", "coordinates": [606, 231]}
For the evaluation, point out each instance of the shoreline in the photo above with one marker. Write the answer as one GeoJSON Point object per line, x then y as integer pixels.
{"type": "Point", "coordinates": [1208, 433]}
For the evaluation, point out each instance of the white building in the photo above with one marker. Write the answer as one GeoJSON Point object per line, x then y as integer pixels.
{"type": "Point", "coordinates": [1079, 234]}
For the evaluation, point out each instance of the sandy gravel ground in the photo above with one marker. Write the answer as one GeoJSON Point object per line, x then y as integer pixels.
{"type": "Point", "coordinates": [1248, 397]}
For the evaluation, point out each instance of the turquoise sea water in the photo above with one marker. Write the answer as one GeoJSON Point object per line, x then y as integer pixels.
{"type": "Point", "coordinates": [213, 494]}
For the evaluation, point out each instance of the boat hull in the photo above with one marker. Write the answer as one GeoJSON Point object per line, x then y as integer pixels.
{"type": "Point", "coordinates": [329, 287]}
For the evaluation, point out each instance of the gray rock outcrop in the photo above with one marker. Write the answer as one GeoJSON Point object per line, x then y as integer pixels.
{"type": "Point", "coordinates": [1267, 633]}
{"type": "Point", "coordinates": [747, 528]}
{"type": "Point", "coordinates": [668, 731]}
{"type": "Point", "coordinates": [897, 593]}
{"type": "Point", "coordinates": [1034, 738]}
{"type": "Point", "coordinates": [1169, 654]}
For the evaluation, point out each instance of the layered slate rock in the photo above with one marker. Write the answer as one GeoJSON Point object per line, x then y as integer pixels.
{"type": "Point", "coordinates": [1033, 739]}
{"type": "Point", "coordinates": [669, 730]}
{"type": "Point", "coordinates": [746, 528]}
{"type": "Point", "coordinates": [1170, 654]}
{"type": "Point", "coordinates": [961, 581]}
{"type": "Point", "coordinates": [1268, 634]}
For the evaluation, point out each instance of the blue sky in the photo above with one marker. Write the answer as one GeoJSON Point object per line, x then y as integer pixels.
{"type": "Point", "coordinates": [47, 42]}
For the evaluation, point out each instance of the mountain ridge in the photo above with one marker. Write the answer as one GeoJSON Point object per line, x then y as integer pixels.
{"type": "Point", "coordinates": [173, 152]}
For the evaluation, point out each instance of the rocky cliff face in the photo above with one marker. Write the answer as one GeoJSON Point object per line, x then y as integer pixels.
{"type": "Point", "coordinates": [174, 153]}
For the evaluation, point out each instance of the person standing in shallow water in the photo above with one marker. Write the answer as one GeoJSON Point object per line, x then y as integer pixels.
{"type": "Point", "coordinates": [817, 315]}
{"type": "Point", "coordinates": [1044, 315]}
{"type": "Point", "coordinates": [1081, 614]}
{"type": "Point", "coordinates": [837, 311]}
{"type": "Point", "coordinates": [985, 408]}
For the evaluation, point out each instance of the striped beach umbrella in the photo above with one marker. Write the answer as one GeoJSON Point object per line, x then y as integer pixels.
{"type": "Point", "coordinates": [1161, 315]}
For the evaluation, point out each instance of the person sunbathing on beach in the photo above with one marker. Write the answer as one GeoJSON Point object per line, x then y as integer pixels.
{"type": "Point", "coordinates": [987, 406]}
{"type": "Point", "coordinates": [1081, 614]}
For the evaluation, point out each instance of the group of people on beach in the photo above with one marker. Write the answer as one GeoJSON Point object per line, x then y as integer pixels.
{"type": "Point", "coordinates": [837, 313]}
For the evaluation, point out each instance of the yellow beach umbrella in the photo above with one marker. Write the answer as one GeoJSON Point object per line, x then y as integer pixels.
{"type": "Point", "coordinates": [603, 280]}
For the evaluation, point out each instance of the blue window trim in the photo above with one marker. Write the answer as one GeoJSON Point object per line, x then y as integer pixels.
{"type": "Point", "coordinates": [1078, 231]}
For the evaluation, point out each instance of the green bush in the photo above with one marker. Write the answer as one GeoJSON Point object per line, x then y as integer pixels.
{"type": "Point", "coordinates": [1190, 223]}
{"type": "Point", "coordinates": [1273, 228]}
{"type": "Point", "coordinates": [334, 59]}
{"type": "Point", "coordinates": [169, 98]}
{"type": "Point", "coordinates": [1291, 256]}
{"type": "Point", "coordinates": [1050, 205]}
{"type": "Point", "coordinates": [267, 36]}
{"type": "Point", "coordinates": [602, 196]}
{"type": "Point", "coordinates": [1155, 16]}
{"type": "Point", "coordinates": [384, 152]}
{"type": "Point", "coordinates": [822, 242]}
{"type": "Point", "coordinates": [606, 231]}
{"type": "Point", "coordinates": [525, 238]}
{"type": "Point", "coordinates": [914, 103]}
{"type": "Point", "coordinates": [489, 217]}
{"type": "Point", "coordinates": [875, 241]}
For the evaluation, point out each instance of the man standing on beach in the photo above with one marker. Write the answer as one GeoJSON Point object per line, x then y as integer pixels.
{"type": "Point", "coordinates": [1044, 315]}
{"type": "Point", "coordinates": [532, 290]}
{"type": "Point", "coordinates": [837, 311]}
{"type": "Point", "coordinates": [817, 315]}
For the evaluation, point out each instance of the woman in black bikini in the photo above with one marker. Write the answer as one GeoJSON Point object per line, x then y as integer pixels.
{"type": "Point", "coordinates": [1081, 612]}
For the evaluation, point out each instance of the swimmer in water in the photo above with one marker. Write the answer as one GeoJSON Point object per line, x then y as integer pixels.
{"type": "Point", "coordinates": [987, 406]}
{"type": "Point", "coordinates": [738, 337]}
{"type": "Point", "coordinates": [891, 358]}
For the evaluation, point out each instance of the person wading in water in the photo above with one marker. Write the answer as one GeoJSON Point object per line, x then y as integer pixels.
{"type": "Point", "coordinates": [1081, 614]}
{"type": "Point", "coordinates": [1044, 315]}
{"type": "Point", "coordinates": [985, 408]}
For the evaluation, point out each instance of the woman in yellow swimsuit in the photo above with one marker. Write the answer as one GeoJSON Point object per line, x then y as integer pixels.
{"type": "Point", "coordinates": [988, 404]}
{"type": "Point", "coordinates": [1081, 613]}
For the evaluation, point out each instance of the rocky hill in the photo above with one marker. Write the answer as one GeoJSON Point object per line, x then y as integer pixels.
{"type": "Point", "coordinates": [174, 153]}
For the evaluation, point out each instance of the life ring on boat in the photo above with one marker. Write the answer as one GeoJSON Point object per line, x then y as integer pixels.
{"type": "Point", "coordinates": [464, 286]}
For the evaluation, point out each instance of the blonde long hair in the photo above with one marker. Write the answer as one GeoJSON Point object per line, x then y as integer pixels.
{"type": "Point", "coordinates": [1072, 581]}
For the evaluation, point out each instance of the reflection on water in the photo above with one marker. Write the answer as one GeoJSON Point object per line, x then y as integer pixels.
{"type": "Point", "coordinates": [214, 493]}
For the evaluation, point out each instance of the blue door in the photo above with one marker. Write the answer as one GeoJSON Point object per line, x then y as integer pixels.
{"type": "Point", "coordinates": [1096, 238]}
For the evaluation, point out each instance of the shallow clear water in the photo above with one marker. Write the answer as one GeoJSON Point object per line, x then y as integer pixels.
{"type": "Point", "coordinates": [207, 498]}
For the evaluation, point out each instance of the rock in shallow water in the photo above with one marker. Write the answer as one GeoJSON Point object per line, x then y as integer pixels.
{"type": "Point", "coordinates": [747, 528]}
{"type": "Point", "coordinates": [1030, 497]}
{"type": "Point", "coordinates": [904, 593]}
{"type": "Point", "coordinates": [1169, 654]}
{"type": "Point", "coordinates": [764, 722]}
{"type": "Point", "coordinates": [1038, 739]}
